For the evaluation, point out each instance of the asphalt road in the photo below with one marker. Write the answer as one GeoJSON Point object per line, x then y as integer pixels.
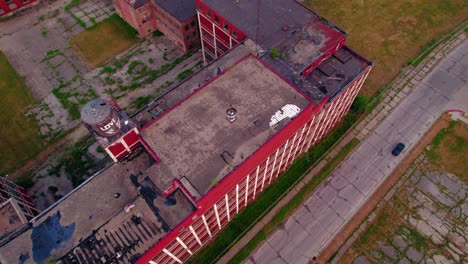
{"type": "Point", "coordinates": [309, 230]}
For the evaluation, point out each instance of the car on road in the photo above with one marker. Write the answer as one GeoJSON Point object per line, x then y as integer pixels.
{"type": "Point", "coordinates": [398, 149]}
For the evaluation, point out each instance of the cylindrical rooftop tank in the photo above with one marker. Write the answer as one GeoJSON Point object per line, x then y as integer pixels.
{"type": "Point", "coordinates": [104, 120]}
{"type": "Point", "coordinates": [231, 114]}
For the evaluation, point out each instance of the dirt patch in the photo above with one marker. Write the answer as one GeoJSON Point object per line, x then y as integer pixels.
{"type": "Point", "coordinates": [350, 227]}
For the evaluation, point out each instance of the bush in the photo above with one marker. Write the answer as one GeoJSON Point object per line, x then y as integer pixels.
{"type": "Point", "coordinates": [142, 101]}
{"type": "Point", "coordinates": [53, 189]}
{"type": "Point", "coordinates": [25, 183]}
{"type": "Point", "coordinates": [157, 33]}
{"type": "Point", "coordinates": [274, 52]}
{"type": "Point", "coordinates": [360, 104]}
{"type": "Point", "coordinates": [185, 74]}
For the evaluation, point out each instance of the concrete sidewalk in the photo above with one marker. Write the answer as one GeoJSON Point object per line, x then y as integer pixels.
{"type": "Point", "coordinates": [401, 88]}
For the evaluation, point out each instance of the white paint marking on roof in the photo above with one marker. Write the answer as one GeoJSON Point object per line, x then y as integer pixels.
{"type": "Point", "coordinates": [288, 110]}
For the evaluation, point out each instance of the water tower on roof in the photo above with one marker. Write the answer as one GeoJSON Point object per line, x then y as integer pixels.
{"type": "Point", "coordinates": [100, 115]}
{"type": "Point", "coordinates": [111, 127]}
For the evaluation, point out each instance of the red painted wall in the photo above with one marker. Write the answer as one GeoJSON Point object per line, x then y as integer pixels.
{"type": "Point", "coordinates": [9, 6]}
{"type": "Point", "coordinates": [141, 19]}
{"type": "Point", "coordinates": [183, 34]}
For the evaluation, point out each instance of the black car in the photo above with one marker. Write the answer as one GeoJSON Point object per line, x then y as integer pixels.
{"type": "Point", "coordinates": [397, 150]}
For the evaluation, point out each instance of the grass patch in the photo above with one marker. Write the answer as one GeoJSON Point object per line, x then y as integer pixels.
{"type": "Point", "coordinates": [104, 41]}
{"type": "Point", "coordinates": [450, 149]}
{"type": "Point", "coordinates": [77, 163]}
{"type": "Point", "coordinates": [24, 182]}
{"type": "Point", "coordinates": [391, 32]}
{"type": "Point", "coordinates": [146, 75]}
{"type": "Point", "coordinates": [386, 218]}
{"type": "Point", "coordinates": [266, 200]}
{"type": "Point", "coordinates": [77, 19]}
{"type": "Point", "coordinates": [185, 74]}
{"type": "Point", "coordinates": [20, 136]}
{"type": "Point", "coordinates": [425, 52]}
{"type": "Point", "coordinates": [73, 100]}
{"type": "Point", "coordinates": [142, 101]}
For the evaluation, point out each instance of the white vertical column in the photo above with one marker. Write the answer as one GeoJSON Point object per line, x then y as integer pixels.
{"type": "Point", "coordinates": [323, 122]}
{"type": "Point", "coordinates": [308, 134]}
{"type": "Point", "coordinates": [274, 166]}
{"type": "Point", "coordinates": [282, 155]}
{"type": "Point", "coordinates": [201, 38]}
{"type": "Point", "coordinates": [247, 190]}
{"type": "Point", "coordinates": [184, 245]}
{"type": "Point", "coordinates": [217, 215]}
{"type": "Point", "coordinates": [256, 180]}
{"type": "Point", "coordinates": [300, 138]}
{"type": "Point", "coordinates": [264, 173]}
{"type": "Point", "coordinates": [237, 198]}
{"type": "Point", "coordinates": [315, 129]}
{"type": "Point", "coordinates": [206, 225]}
{"type": "Point", "coordinates": [172, 256]}
{"type": "Point", "coordinates": [214, 40]}
{"type": "Point", "coordinates": [290, 150]}
{"type": "Point", "coordinates": [227, 207]}
{"type": "Point", "coordinates": [125, 145]}
{"type": "Point", "coordinates": [195, 235]}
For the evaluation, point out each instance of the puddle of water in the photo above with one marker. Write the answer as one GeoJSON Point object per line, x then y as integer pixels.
{"type": "Point", "coordinates": [50, 235]}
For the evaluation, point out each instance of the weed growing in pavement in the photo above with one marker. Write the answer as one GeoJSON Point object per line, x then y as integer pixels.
{"type": "Point", "coordinates": [185, 74]}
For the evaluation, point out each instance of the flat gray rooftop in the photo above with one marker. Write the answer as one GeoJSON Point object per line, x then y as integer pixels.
{"type": "Point", "coordinates": [329, 78]}
{"type": "Point", "coordinates": [305, 46]}
{"type": "Point", "coordinates": [10, 219]}
{"type": "Point", "coordinates": [182, 10]}
{"type": "Point", "coordinates": [272, 16]}
{"type": "Point", "coordinates": [182, 90]}
{"type": "Point", "coordinates": [92, 223]}
{"type": "Point", "coordinates": [196, 141]}
{"type": "Point", "coordinates": [335, 73]}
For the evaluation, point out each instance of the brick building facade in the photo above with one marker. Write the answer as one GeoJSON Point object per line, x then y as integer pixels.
{"type": "Point", "coordinates": [175, 18]}
{"type": "Point", "coordinates": [7, 7]}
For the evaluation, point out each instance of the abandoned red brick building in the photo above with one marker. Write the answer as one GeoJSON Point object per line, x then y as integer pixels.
{"type": "Point", "coordinates": [277, 79]}
{"type": "Point", "coordinates": [7, 7]}
{"type": "Point", "coordinates": [175, 18]}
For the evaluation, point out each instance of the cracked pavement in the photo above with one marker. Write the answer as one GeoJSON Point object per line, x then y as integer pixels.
{"type": "Point", "coordinates": [309, 230]}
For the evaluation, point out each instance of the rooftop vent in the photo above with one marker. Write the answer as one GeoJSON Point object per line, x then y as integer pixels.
{"type": "Point", "coordinates": [317, 40]}
{"type": "Point", "coordinates": [323, 89]}
{"type": "Point", "coordinates": [231, 114]}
